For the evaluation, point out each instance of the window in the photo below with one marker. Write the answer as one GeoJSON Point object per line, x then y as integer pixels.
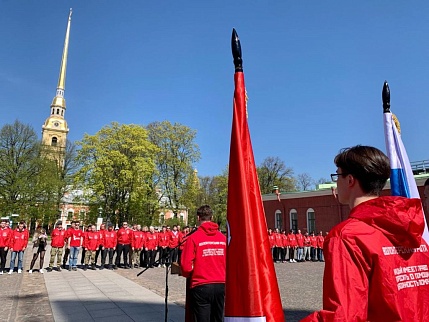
{"type": "Point", "coordinates": [278, 220]}
{"type": "Point", "coordinates": [58, 111]}
{"type": "Point", "coordinates": [293, 220]}
{"type": "Point", "coordinates": [162, 217]}
{"type": "Point", "coordinates": [53, 111]}
{"type": "Point", "coordinates": [54, 141]}
{"type": "Point", "coordinates": [311, 220]}
{"type": "Point", "coordinates": [70, 215]}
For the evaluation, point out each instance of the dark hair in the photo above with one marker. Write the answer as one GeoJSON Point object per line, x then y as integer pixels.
{"type": "Point", "coordinates": [367, 164]}
{"type": "Point", "coordinates": [205, 213]}
{"type": "Point", "coordinates": [427, 182]}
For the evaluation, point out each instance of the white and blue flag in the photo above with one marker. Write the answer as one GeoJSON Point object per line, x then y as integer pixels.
{"type": "Point", "coordinates": [402, 182]}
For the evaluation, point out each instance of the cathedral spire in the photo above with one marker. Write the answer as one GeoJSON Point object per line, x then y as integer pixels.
{"type": "Point", "coordinates": [59, 104]}
{"type": "Point", "coordinates": [55, 128]}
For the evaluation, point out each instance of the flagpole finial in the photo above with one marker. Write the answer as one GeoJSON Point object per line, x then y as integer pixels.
{"type": "Point", "coordinates": [386, 98]}
{"type": "Point", "coordinates": [236, 51]}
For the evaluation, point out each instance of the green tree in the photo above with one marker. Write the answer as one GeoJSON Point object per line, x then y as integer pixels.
{"type": "Point", "coordinates": [273, 172]}
{"type": "Point", "coordinates": [20, 165]}
{"type": "Point", "coordinates": [175, 158]}
{"type": "Point", "coordinates": [117, 167]}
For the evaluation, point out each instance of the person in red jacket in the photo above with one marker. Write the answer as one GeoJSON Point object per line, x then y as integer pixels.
{"type": "Point", "coordinates": [137, 245]}
{"type": "Point", "coordinates": [313, 247]}
{"type": "Point", "coordinates": [57, 246]}
{"type": "Point", "coordinates": [300, 245]}
{"type": "Point", "coordinates": [100, 248]}
{"type": "Point", "coordinates": [5, 235]}
{"type": "Point", "coordinates": [320, 240]}
{"type": "Point", "coordinates": [110, 242]}
{"type": "Point", "coordinates": [307, 247]}
{"type": "Point", "coordinates": [376, 261]}
{"type": "Point", "coordinates": [278, 245]}
{"type": "Point", "coordinates": [204, 261]}
{"type": "Point", "coordinates": [151, 247]}
{"type": "Point", "coordinates": [124, 244]}
{"type": "Point", "coordinates": [92, 241]}
{"type": "Point", "coordinates": [272, 240]}
{"type": "Point", "coordinates": [163, 241]}
{"type": "Point", "coordinates": [285, 246]}
{"type": "Point", "coordinates": [17, 244]}
{"type": "Point", "coordinates": [182, 241]}
{"type": "Point", "coordinates": [75, 241]}
{"type": "Point", "coordinates": [173, 243]}
{"type": "Point", "coordinates": [292, 246]}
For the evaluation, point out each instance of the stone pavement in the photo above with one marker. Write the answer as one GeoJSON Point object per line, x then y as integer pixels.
{"type": "Point", "coordinates": [122, 296]}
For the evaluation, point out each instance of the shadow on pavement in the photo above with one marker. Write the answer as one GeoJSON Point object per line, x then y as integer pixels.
{"type": "Point", "coordinates": [83, 310]}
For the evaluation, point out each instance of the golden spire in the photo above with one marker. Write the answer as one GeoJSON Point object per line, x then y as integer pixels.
{"type": "Point", "coordinates": [59, 101]}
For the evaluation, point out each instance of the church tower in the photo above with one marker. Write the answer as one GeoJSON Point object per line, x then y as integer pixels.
{"type": "Point", "coordinates": [55, 128]}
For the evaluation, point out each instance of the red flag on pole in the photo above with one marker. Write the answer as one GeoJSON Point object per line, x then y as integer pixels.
{"type": "Point", "coordinates": [252, 293]}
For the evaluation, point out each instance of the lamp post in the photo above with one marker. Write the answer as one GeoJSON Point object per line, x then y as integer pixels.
{"type": "Point", "coordinates": [100, 217]}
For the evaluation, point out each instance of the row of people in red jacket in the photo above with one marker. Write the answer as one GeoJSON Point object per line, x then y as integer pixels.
{"type": "Point", "coordinates": [14, 240]}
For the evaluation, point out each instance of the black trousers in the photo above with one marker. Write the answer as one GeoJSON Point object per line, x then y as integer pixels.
{"type": "Point", "coordinates": [291, 253]}
{"type": "Point", "coordinates": [111, 252]}
{"type": "Point", "coordinates": [163, 255]}
{"type": "Point", "coordinates": [97, 253]}
{"type": "Point", "coordinates": [174, 252]}
{"type": "Point", "coordinates": [150, 258]}
{"type": "Point", "coordinates": [125, 249]}
{"type": "Point", "coordinates": [3, 254]}
{"type": "Point", "coordinates": [208, 301]}
{"type": "Point", "coordinates": [66, 256]}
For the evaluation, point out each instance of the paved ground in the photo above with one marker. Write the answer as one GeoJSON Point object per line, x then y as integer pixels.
{"type": "Point", "coordinates": [122, 296]}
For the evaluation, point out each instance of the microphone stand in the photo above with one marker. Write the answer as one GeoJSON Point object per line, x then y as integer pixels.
{"type": "Point", "coordinates": [165, 256]}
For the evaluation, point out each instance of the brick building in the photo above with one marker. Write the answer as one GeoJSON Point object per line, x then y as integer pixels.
{"type": "Point", "coordinates": [316, 210]}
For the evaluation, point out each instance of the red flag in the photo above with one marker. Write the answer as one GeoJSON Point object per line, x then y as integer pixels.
{"type": "Point", "coordinates": [252, 293]}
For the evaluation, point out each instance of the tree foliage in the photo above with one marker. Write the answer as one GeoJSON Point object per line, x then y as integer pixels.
{"type": "Point", "coordinates": [273, 172]}
{"type": "Point", "coordinates": [174, 161]}
{"type": "Point", "coordinates": [117, 167]}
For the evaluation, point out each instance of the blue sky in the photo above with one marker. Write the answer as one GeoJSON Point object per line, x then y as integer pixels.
{"type": "Point", "coordinates": [314, 71]}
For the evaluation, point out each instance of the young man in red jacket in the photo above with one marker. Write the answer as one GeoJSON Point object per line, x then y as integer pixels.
{"type": "Point", "coordinates": [173, 243]}
{"type": "Point", "coordinates": [320, 240]}
{"type": "Point", "coordinates": [110, 242]}
{"type": "Point", "coordinates": [124, 244]}
{"type": "Point", "coordinates": [376, 261]}
{"type": "Point", "coordinates": [101, 248]}
{"type": "Point", "coordinates": [57, 246]}
{"type": "Point", "coordinates": [292, 246]}
{"type": "Point", "coordinates": [137, 245]}
{"type": "Point", "coordinates": [151, 247]}
{"type": "Point", "coordinates": [5, 235]}
{"type": "Point", "coordinates": [204, 261]}
{"type": "Point", "coordinates": [163, 241]}
{"type": "Point", "coordinates": [18, 244]}
{"type": "Point", "coordinates": [75, 241]}
{"type": "Point", "coordinates": [92, 241]}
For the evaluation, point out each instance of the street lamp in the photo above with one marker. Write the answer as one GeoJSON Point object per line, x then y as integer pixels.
{"type": "Point", "coordinates": [100, 217]}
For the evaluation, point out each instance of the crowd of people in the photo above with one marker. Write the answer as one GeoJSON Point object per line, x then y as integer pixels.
{"type": "Point", "coordinates": [296, 247]}
{"type": "Point", "coordinates": [127, 247]}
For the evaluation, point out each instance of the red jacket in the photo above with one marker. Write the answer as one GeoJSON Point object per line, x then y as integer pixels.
{"type": "Point", "coordinates": [75, 236]}
{"type": "Point", "coordinates": [272, 240]}
{"type": "Point", "coordinates": [5, 235]}
{"type": "Point", "coordinates": [101, 234]}
{"type": "Point", "coordinates": [19, 240]}
{"type": "Point", "coordinates": [320, 240]}
{"type": "Point", "coordinates": [151, 241]}
{"type": "Point", "coordinates": [174, 239]}
{"type": "Point", "coordinates": [138, 239]}
{"type": "Point", "coordinates": [278, 239]}
{"type": "Point", "coordinates": [376, 264]}
{"type": "Point", "coordinates": [110, 239]}
{"type": "Point", "coordinates": [57, 238]}
{"type": "Point", "coordinates": [182, 241]}
{"type": "Point", "coordinates": [205, 248]}
{"type": "Point", "coordinates": [124, 236]}
{"type": "Point", "coordinates": [313, 241]}
{"type": "Point", "coordinates": [163, 239]}
{"type": "Point", "coordinates": [299, 240]}
{"type": "Point", "coordinates": [292, 240]}
{"type": "Point", "coordinates": [92, 240]}
{"type": "Point", "coordinates": [307, 241]}
{"type": "Point", "coordinates": [285, 240]}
